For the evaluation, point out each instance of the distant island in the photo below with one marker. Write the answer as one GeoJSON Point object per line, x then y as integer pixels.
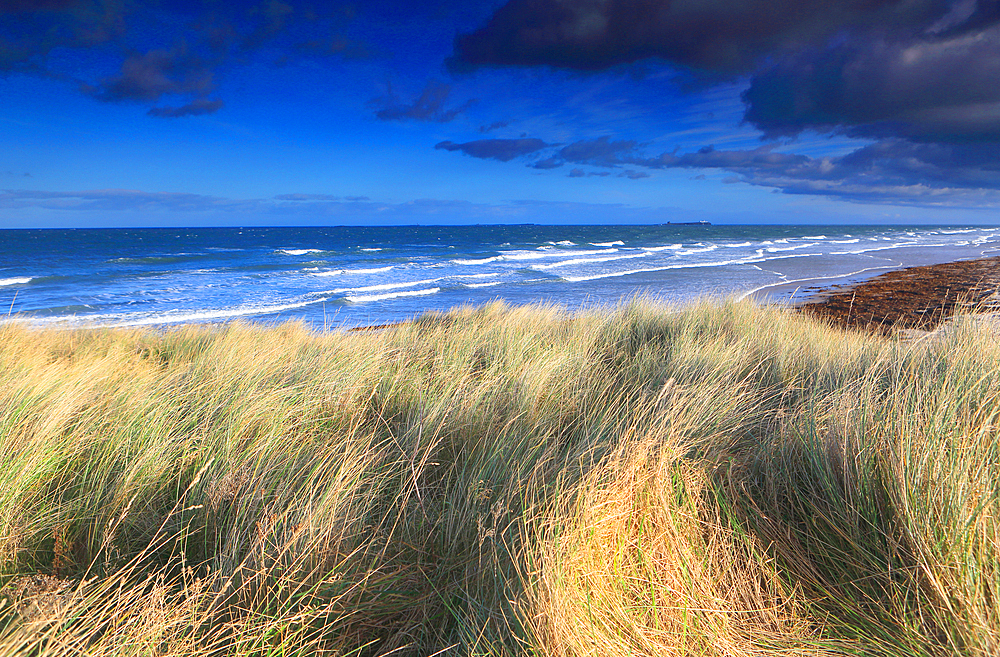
{"type": "Point", "coordinates": [687, 223]}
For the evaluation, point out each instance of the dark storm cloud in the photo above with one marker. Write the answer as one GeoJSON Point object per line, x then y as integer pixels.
{"type": "Point", "coordinates": [921, 77]}
{"type": "Point", "coordinates": [428, 106]}
{"type": "Point", "coordinates": [504, 150]}
{"type": "Point", "coordinates": [926, 70]}
{"type": "Point", "coordinates": [931, 88]}
{"type": "Point", "coordinates": [711, 35]}
{"type": "Point", "coordinates": [162, 49]}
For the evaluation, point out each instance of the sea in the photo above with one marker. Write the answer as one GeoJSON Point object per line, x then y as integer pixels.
{"type": "Point", "coordinates": [337, 278]}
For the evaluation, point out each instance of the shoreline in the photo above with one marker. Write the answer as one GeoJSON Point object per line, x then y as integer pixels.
{"type": "Point", "coordinates": [916, 297]}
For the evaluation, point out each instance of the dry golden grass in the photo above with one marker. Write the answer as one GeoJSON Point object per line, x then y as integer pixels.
{"type": "Point", "coordinates": [714, 479]}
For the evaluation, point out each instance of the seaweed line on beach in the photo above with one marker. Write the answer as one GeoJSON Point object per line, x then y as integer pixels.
{"type": "Point", "coordinates": [911, 298]}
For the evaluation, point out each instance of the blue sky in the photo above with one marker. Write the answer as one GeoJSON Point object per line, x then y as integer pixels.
{"type": "Point", "coordinates": [524, 111]}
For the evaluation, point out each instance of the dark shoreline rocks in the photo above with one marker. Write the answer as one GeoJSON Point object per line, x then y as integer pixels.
{"type": "Point", "coordinates": [912, 298]}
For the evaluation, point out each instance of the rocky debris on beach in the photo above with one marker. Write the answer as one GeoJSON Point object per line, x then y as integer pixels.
{"type": "Point", "coordinates": [912, 299]}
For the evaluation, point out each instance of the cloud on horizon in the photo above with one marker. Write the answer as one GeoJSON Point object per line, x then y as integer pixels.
{"type": "Point", "coordinates": [117, 207]}
{"type": "Point", "coordinates": [890, 171]}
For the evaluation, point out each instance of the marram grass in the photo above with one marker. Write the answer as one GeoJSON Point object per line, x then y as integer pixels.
{"type": "Point", "coordinates": [713, 479]}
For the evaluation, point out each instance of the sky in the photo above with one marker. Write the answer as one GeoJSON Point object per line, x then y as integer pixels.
{"type": "Point", "coordinates": [209, 113]}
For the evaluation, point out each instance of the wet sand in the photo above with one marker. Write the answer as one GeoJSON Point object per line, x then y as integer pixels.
{"type": "Point", "coordinates": [911, 298]}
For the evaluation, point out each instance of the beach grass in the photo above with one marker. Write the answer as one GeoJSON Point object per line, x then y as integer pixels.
{"type": "Point", "coordinates": [716, 478]}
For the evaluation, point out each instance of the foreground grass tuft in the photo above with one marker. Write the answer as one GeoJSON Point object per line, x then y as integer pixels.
{"type": "Point", "coordinates": [713, 479]}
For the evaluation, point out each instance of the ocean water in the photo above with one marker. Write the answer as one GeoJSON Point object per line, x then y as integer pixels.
{"type": "Point", "coordinates": [342, 277]}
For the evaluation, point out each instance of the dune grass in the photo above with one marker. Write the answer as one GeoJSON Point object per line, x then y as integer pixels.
{"type": "Point", "coordinates": [713, 479]}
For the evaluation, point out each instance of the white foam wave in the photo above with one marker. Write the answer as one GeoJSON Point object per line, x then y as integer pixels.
{"type": "Point", "coordinates": [490, 284]}
{"type": "Point", "coordinates": [372, 250]}
{"type": "Point", "coordinates": [692, 265]}
{"type": "Point", "coordinates": [392, 295]}
{"type": "Point", "coordinates": [615, 243]}
{"type": "Point", "coordinates": [711, 247]}
{"type": "Point", "coordinates": [854, 241]}
{"type": "Point", "coordinates": [338, 272]}
{"type": "Point", "coordinates": [298, 252]}
{"type": "Point", "coordinates": [669, 247]}
{"type": "Point", "coordinates": [792, 255]}
{"type": "Point", "coordinates": [481, 261]}
{"type": "Point", "coordinates": [587, 261]}
{"type": "Point", "coordinates": [814, 237]}
{"type": "Point", "coordinates": [534, 255]}
{"type": "Point", "coordinates": [776, 249]}
{"type": "Point", "coordinates": [15, 281]}
{"type": "Point", "coordinates": [487, 275]}
{"type": "Point", "coordinates": [615, 274]}
{"type": "Point", "coordinates": [175, 317]}
{"type": "Point", "coordinates": [736, 246]}
{"type": "Point", "coordinates": [376, 288]}
{"type": "Point", "coordinates": [902, 245]}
